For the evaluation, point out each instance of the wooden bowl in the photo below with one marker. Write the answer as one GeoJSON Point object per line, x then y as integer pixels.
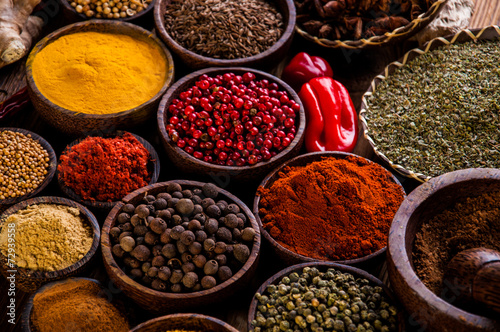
{"type": "Point", "coordinates": [398, 35]}
{"type": "Point", "coordinates": [428, 200]}
{"type": "Point", "coordinates": [290, 257]}
{"type": "Point", "coordinates": [191, 322]}
{"type": "Point", "coordinates": [50, 172]}
{"type": "Point", "coordinates": [29, 280]}
{"type": "Point", "coordinates": [188, 164]}
{"type": "Point", "coordinates": [266, 59]}
{"type": "Point", "coordinates": [79, 124]}
{"type": "Point", "coordinates": [322, 266]}
{"type": "Point", "coordinates": [153, 168]}
{"type": "Point", "coordinates": [162, 302]}
{"type": "Point", "coordinates": [487, 33]}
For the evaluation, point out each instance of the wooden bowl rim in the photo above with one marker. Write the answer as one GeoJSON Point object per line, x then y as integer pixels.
{"type": "Point", "coordinates": [154, 161]}
{"type": "Point", "coordinates": [50, 172]}
{"type": "Point", "coordinates": [90, 26]}
{"type": "Point", "coordinates": [173, 92]}
{"type": "Point", "coordinates": [67, 6]}
{"type": "Point", "coordinates": [397, 250]}
{"type": "Point", "coordinates": [322, 265]}
{"type": "Point", "coordinates": [179, 49]}
{"type": "Point", "coordinates": [87, 216]}
{"type": "Point", "coordinates": [396, 35]}
{"type": "Point", "coordinates": [147, 291]}
{"type": "Point", "coordinates": [460, 37]}
{"type": "Point", "coordinates": [200, 317]}
{"type": "Point", "coordinates": [309, 158]}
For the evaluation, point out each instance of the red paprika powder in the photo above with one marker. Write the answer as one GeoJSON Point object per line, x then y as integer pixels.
{"type": "Point", "coordinates": [333, 209]}
{"type": "Point", "coordinates": [105, 169]}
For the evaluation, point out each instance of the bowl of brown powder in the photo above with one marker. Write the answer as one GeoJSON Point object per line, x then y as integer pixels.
{"type": "Point", "coordinates": [440, 218]}
{"type": "Point", "coordinates": [45, 239]}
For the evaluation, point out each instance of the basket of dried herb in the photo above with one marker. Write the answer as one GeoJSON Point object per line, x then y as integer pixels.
{"type": "Point", "coordinates": [436, 110]}
{"type": "Point", "coordinates": [362, 24]}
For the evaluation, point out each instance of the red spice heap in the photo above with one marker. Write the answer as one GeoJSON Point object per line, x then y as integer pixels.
{"type": "Point", "coordinates": [333, 209]}
{"type": "Point", "coordinates": [105, 169]}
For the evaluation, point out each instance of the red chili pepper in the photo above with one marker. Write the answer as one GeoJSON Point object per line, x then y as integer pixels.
{"type": "Point", "coordinates": [14, 103]}
{"type": "Point", "coordinates": [331, 117]}
{"type": "Point", "coordinates": [303, 67]}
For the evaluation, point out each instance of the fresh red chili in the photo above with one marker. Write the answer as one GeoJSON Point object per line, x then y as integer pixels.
{"type": "Point", "coordinates": [304, 67]}
{"type": "Point", "coordinates": [14, 103]}
{"type": "Point", "coordinates": [331, 117]}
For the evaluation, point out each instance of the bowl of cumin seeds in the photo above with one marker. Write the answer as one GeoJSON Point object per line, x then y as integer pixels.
{"type": "Point", "coordinates": [226, 33]}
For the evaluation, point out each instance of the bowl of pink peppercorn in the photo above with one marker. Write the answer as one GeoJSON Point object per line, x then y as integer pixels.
{"type": "Point", "coordinates": [236, 121]}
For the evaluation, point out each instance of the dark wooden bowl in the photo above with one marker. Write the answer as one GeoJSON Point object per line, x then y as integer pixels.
{"type": "Point", "coordinates": [189, 164]}
{"type": "Point", "coordinates": [487, 33]}
{"type": "Point", "coordinates": [79, 124]}
{"type": "Point", "coordinates": [191, 322]}
{"type": "Point", "coordinates": [288, 256]}
{"type": "Point", "coordinates": [441, 193]}
{"type": "Point", "coordinates": [398, 35]}
{"type": "Point", "coordinates": [163, 302]}
{"type": "Point", "coordinates": [266, 59]}
{"type": "Point", "coordinates": [153, 168]}
{"type": "Point", "coordinates": [322, 266]}
{"type": "Point", "coordinates": [29, 280]}
{"type": "Point", "coordinates": [50, 172]}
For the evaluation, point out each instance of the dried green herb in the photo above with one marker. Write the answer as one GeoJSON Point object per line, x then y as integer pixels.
{"type": "Point", "coordinates": [440, 112]}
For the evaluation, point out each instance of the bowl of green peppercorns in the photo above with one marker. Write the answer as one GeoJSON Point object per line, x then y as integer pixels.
{"type": "Point", "coordinates": [324, 296]}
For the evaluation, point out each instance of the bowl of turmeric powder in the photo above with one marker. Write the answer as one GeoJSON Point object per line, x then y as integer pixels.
{"type": "Point", "coordinates": [97, 76]}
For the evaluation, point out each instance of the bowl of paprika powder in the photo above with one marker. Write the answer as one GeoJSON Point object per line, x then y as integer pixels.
{"type": "Point", "coordinates": [330, 206]}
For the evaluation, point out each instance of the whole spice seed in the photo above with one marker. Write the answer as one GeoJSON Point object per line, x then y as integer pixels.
{"type": "Point", "coordinates": [24, 164]}
{"type": "Point", "coordinates": [109, 9]}
{"type": "Point", "coordinates": [313, 300]}
{"type": "Point", "coordinates": [105, 169]}
{"type": "Point", "coordinates": [440, 112]}
{"type": "Point", "coordinates": [224, 29]}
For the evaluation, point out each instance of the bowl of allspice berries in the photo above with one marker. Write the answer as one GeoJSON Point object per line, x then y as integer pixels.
{"type": "Point", "coordinates": [180, 244]}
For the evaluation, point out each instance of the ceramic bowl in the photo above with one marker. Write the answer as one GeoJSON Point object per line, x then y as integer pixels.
{"type": "Point", "coordinates": [189, 164]}
{"type": "Point", "coordinates": [167, 302]}
{"type": "Point", "coordinates": [153, 168]}
{"type": "Point", "coordinates": [50, 171]}
{"type": "Point", "coordinates": [428, 311]}
{"type": "Point", "coordinates": [29, 280]}
{"type": "Point", "coordinates": [266, 59]}
{"type": "Point", "coordinates": [79, 124]}
{"type": "Point", "coordinates": [193, 322]}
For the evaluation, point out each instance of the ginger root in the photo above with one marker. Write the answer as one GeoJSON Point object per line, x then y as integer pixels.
{"type": "Point", "coordinates": [17, 29]}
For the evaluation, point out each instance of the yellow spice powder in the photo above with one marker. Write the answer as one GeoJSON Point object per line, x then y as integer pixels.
{"type": "Point", "coordinates": [99, 73]}
{"type": "Point", "coordinates": [48, 237]}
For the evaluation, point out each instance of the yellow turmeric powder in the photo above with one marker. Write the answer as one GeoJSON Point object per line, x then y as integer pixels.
{"type": "Point", "coordinates": [99, 73]}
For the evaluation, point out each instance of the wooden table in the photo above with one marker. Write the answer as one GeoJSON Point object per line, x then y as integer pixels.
{"type": "Point", "coordinates": [354, 69]}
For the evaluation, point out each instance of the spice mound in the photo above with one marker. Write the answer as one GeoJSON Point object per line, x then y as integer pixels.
{"type": "Point", "coordinates": [75, 305]}
{"type": "Point", "coordinates": [105, 169]}
{"type": "Point", "coordinates": [314, 300]}
{"type": "Point", "coordinates": [439, 113]}
{"type": "Point", "coordinates": [99, 73]}
{"type": "Point", "coordinates": [49, 237]}
{"type": "Point", "coordinates": [24, 164]}
{"type": "Point", "coordinates": [224, 29]}
{"type": "Point", "coordinates": [333, 209]}
{"type": "Point", "coordinates": [182, 240]}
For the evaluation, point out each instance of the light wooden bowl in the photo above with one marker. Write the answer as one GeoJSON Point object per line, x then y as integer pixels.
{"type": "Point", "coordinates": [290, 257]}
{"type": "Point", "coordinates": [153, 168]}
{"type": "Point", "coordinates": [266, 59]}
{"type": "Point", "coordinates": [430, 312]}
{"type": "Point", "coordinates": [164, 302]}
{"type": "Point", "coordinates": [192, 322]}
{"type": "Point", "coordinates": [50, 172]}
{"type": "Point", "coordinates": [78, 124]}
{"type": "Point", "coordinates": [29, 280]}
{"type": "Point", "coordinates": [188, 164]}
{"type": "Point", "coordinates": [322, 266]}
{"type": "Point", "coordinates": [487, 33]}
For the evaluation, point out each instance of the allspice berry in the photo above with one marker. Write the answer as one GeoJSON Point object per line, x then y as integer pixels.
{"type": "Point", "coordinates": [211, 267]}
{"type": "Point", "coordinates": [213, 211]}
{"type": "Point", "coordinates": [114, 232]}
{"type": "Point", "coordinates": [187, 237]}
{"type": "Point", "coordinates": [118, 250]}
{"type": "Point", "coordinates": [158, 225]}
{"type": "Point", "coordinates": [169, 250]}
{"type": "Point", "coordinates": [164, 273]}
{"type": "Point", "coordinates": [176, 232]}
{"type": "Point", "coordinates": [152, 272]}
{"type": "Point", "coordinates": [199, 261]}
{"type": "Point", "coordinates": [188, 267]}
{"type": "Point", "coordinates": [208, 282]}
{"type": "Point", "coordinates": [224, 273]}
{"type": "Point", "coordinates": [211, 226]}
{"type": "Point", "coordinates": [209, 245]}
{"type": "Point", "coordinates": [140, 230]}
{"type": "Point", "coordinates": [248, 234]}
{"type": "Point", "coordinates": [233, 208]}
{"type": "Point", "coordinates": [231, 220]}
{"type": "Point", "coordinates": [128, 208]}
{"type": "Point", "coordinates": [200, 236]}
{"type": "Point", "coordinates": [123, 218]}
{"type": "Point", "coordinates": [220, 247]}
{"type": "Point", "coordinates": [159, 285]}
{"type": "Point", "coordinates": [176, 276]}
{"type": "Point", "coordinates": [241, 252]}
{"type": "Point", "coordinates": [210, 190]}
{"type": "Point", "coordinates": [190, 279]}
{"type": "Point", "coordinates": [158, 261]}
{"type": "Point", "coordinates": [160, 204]}
{"type": "Point", "coordinates": [127, 243]}
{"type": "Point", "coordinates": [221, 259]}
{"type": "Point", "coordinates": [165, 236]}
{"type": "Point", "coordinates": [141, 253]}
{"type": "Point", "coordinates": [224, 234]}
{"type": "Point", "coordinates": [184, 206]}
{"type": "Point", "coordinates": [142, 211]}
{"type": "Point", "coordinates": [173, 187]}
{"type": "Point", "coordinates": [195, 248]}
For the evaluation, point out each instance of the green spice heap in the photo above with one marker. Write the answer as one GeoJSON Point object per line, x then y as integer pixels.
{"type": "Point", "coordinates": [440, 112]}
{"type": "Point", "coordinates": [323, 301]}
